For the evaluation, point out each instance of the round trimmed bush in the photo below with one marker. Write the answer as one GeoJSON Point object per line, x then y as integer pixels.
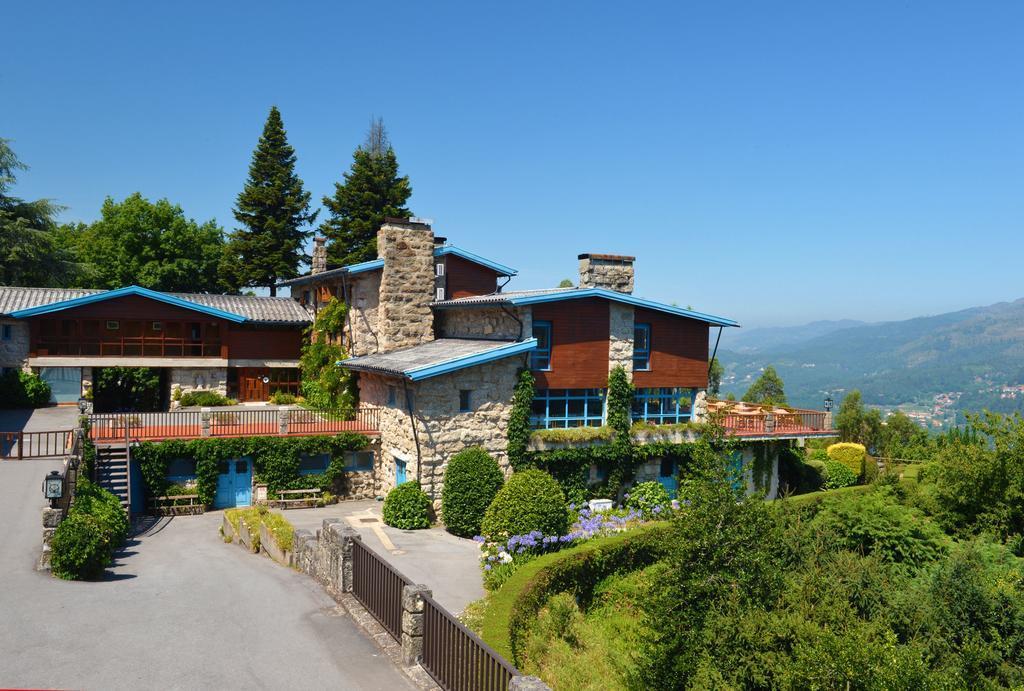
{"type": "Point", "coordinates": [81, 548]}
{"type": "Point", "coordinates": [849, 454]}
{"type": "Point", "coordinates": [105, 507]}
{"type": "Point", "coordinates": [471, 482]}
{"type": "Point", "coordinates": [838, 475]}
{"type": "Point", "coordinates": [407, 507]}
{"type": "Point", "coordinates": [646, 496]}
{"type": "Point", "coordinates": [530, 500]}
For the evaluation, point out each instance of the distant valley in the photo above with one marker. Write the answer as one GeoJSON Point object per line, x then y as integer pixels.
{"type": "Point", "coordinates": [933, 368]}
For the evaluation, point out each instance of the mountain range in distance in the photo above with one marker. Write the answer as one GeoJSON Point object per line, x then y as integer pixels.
{"type": "Point", "coordinates": [934, 368]}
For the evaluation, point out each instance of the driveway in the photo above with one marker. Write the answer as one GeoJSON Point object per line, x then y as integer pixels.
{"type": "Point", "coordinates": [449, 565]}
{"type": "Point", "coordinates": [39, 420]}
{"type": "Point", "coordinates": [181, 609]}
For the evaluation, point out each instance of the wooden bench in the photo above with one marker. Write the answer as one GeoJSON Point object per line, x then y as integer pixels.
{"type": "Point", "coordinates": [297, 498]}
{"type": "Point", "coordinates": [177, 505]}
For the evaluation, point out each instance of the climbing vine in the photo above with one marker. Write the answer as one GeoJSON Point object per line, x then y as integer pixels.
{"type": "Point", "coordinates": [275, 460]}
{"type": "Point", "coordinates": [620, 419]}
{"type": "Point", "coordinates": [324, 384]}
{"type": "Point", "coordinates": [519, 421]}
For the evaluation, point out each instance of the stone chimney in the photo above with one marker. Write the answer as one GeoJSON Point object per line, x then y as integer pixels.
{"type": "Point", "coordinates": [319, 263]}
{"type": "Point", "coordinates": [406, 284]}
{"type": "Point", "coordinates": [611, 271]}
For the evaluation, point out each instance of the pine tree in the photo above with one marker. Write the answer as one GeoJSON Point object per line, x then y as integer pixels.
{"type": "Point", "coordinates": [372, 190]}
{"type": "Point", "coordinates": [273, 208]}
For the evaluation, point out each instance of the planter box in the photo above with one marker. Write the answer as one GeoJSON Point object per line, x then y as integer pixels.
{"type": "Point", "coordinates": [269, 545]}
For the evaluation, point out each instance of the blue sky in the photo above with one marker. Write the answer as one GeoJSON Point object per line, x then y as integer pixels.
{"type": "Point", "coordinates": [771, 162]}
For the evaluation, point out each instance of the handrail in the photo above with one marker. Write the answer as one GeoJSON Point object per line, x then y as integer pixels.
{"type": "Point", "coordinates": [456, 658]}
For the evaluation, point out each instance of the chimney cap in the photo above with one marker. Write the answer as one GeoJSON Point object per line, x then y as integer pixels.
{"type": "Point", "coordinates": [440, 240]}
{"type": "Point", "coordinates": [608, 257]}
{"type": "Point", "coordinates": [411, 221]}
{"type": "Point", "coordinates": [319, 239]}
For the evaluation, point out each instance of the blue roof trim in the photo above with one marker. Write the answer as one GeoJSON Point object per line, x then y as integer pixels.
{"type": "Point", "coordinates": [624, 298]}
{"type": "Point", "coordinates": [359, 268]}
{"type": "Point", "coordinates": [476, 259]}
{"type": "Point", "coordinates": [465, 361]}
{"type": "Point", "coordinates": [122, 292]}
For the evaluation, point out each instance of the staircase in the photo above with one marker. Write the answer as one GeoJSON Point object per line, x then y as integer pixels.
{"type": "Point", "coordinates": [112, 471]}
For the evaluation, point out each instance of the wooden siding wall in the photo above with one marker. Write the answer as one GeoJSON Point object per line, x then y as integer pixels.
{"type": "Point", "coordinates": [579, 344]}
{"type": "Point", "coordinates": [467, 278]}
{"type": "Point", "coordinates": [679, 351]}
{"type": "Point", "coordinates": [253, 341]}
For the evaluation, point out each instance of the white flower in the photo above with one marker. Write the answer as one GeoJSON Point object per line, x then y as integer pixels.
{"type": "Point", "coordinates": [505, 557]}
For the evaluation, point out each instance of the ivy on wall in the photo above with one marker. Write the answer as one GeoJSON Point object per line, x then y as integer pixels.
{"type": "Point", "coordinates": [620, 419]}
{"type": "Point", "coordinates": [275, 460]}
{"type": "Point", "coordinates": [324, 384]}
{"type": "Point", "coordinates": [519, 421]}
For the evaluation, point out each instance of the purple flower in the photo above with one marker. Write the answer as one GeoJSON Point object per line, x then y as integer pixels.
{"type": "Point", "coordinates": [479, 538]}
{"type": "Point", "coordinates": [487, 567]}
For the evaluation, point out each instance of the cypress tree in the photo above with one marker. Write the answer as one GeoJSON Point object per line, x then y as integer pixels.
{"type": "Point", "coordinates": [371, 191]}
{"type": "Point", "coordinates": [272, 208]}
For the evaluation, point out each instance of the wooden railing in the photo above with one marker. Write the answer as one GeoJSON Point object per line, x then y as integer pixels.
{"type": "Point", "coordinates": [456, 658]}
{"type": "Point", "coordinates": [232, 422]}
{"type": "Point", "coordinates": [378, 586]}
{"type": "Point", "coordinates": [127, 346]}
{"type": "Point", "coordinates": [758, 423]}
{"type": "Point", "coordinates": [23, 445]}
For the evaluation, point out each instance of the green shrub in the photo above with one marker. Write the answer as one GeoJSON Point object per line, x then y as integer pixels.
{"type": "Point", "coordinates": [282, 398]}
{"type": "Point", "coordinates": [849, 454]}
{"type": "Point", "coordinates": [81, 548]}
{"type": "Point", "coordinates": [797, 476]}
{"type": "Point", "coordinates": [471, 481]}
{"type": "Point", "coordinates": [407, 507]}
{"type": "Point", "coordinates": [645, 497]}
{"type": "Point", "coordinates": [530, 500]}
{"type": "Point", "coordinates": [105, 507]}
{"type": "Point", "coordinates": [19, 389]}
{"type": "Point", "coordinates": [838, 475]}
{"type": "Point", "coordinates": [205, 399]}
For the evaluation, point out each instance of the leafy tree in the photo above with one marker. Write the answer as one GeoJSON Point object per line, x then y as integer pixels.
{"type": "Point", "coordinates": [372, 190]}
{"type": "Point", "coordinates": [767, 389]}
{"type": "Point", "coordinates": [272, 208]}
{"type": "Point", "coordinates": [150, 244]}
{"type": "Point", "coordinates": [715, 372]}
{"type": "Point", "coordinates": [565, 283]}
{"type": "Point", "coordinates": [30, 254]}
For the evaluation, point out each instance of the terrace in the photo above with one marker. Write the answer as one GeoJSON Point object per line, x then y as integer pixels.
{"type": "Point", "coordinates": [231, 422]}
{"type": "Point", "coordinates": [742, 419]}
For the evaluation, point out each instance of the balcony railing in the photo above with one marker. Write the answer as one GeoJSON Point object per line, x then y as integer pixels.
{"type": "Point", "coordinates": [127, 346]}
{"type": "Point", "coordinates": [752, 420]}
{"type": "Point", "coordinates": [233, 422]}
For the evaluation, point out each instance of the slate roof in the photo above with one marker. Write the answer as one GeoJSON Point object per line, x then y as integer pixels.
{"type": "Point", "coordinates": [437, 357]}
{"type": "Point", "coordinates": [532, 297]}
{"type": "Point", "coordinates": [264, 310]}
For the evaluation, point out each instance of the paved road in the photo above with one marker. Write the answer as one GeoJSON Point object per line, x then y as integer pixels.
{"type": "Point", "coordinates": [181, 610]}
{"type": "Point", "coordinates": [449, 565]}
{"type": "Point", "coordinates": [39, 420]}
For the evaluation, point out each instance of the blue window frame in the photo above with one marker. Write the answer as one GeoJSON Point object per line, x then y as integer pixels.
{"type": "Point", "coordinates": [663, 406]}
{"type": "Point", "coordinates": [561, 408]}
{"type": "Point", "coordinates": [392, 395]}
{"type": "Point", "coordinates": [540, 359]}
{"type": "Point", "coordinates": [314, 464]}
{"type": "Point", "coordinates": [6, 332]}
{"type": "Point", "coordinates": [641, 347]}
{"type": "Point", "coordinates": [359, 461]}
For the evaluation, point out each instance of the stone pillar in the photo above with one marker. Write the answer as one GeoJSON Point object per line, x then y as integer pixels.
{"type": "Point", "coordinates": [51, 519]}
{"type": "Point", "coordinates": [283, 415]}
{"type": "Point", "coordinates": [348, 534]}
{"type": "Point", "coordinates": [412, 622]}
{"type": "Point", "coordinates": [611, 271]}
{"type": "Point", "coordinates": [404, 317]}
{"type": "Point", "coordinates": [204, 422]}
{"type": "Point", "coordinates": [319, 262]}
{"type": "Point", "coordinates": [527, 684]}
{"type": "Point", "coordinates": [620, 337]}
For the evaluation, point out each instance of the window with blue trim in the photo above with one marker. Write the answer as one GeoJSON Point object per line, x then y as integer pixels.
{"type": "Point", "coordinates": [359, 461]}
{"type": "Point", "coordinates": [181, 470]}
{"type": "Point", "coordinates": [540, 359]}
{"type": "Point", "coordinates": [314, 464]}
{"type": "Point", "coordinates": [641, 347]}
{"type": "Point", "coordinates": [663, 406]}
{"type": "Point", "coordinates": [561, 408]}
{"type": "Point", "coordinates": [6, 332]}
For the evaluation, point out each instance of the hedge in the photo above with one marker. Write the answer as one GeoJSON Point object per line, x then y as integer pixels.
{"type": "Point", "coordinates": [512, 608]}
{"type": "Point", "coordinates": [530, 500]}
{"type": "Point", "coordinates": [407, 507]}
{"type": "Point", "coordinates": [471, 481]}
{"type": "Point", "coordinates": [849, 454]}
{"type": "Point", "coordinates": [275, 460]}
{"type": "Point", "coordinates": [83, 544]}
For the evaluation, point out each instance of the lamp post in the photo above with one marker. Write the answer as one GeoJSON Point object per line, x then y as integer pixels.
{"type": "Point", "coordinates": [53, 488]}
{"type": "Point", "coordinates": [83, 405]}
{"type": "Point", "coordinates": [828, 403]}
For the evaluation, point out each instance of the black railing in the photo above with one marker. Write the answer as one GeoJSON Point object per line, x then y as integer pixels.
{"type": "Point", "coordinates": [176, 425]}
{"type": "Point", "coordinates": [378, 586]}
{"type": "Point", "coordinates": [456, 658]}
{"type": "Point", "coordinates": [22, 445]}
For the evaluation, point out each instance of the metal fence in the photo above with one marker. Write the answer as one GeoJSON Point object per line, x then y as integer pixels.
{"type": "Point", "coordinates": [378, 586]}
{"type": "Point", "coordinates": [238, 423]}
{"type": "Point", "coordinates": [176, 425]}
{"type": "Point", "coordinates": [22, 445]}
{"type": "Point", "coordinates": [456, 658]}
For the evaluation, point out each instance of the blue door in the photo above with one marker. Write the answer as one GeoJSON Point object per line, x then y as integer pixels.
{"type": "Point", "coordinates": [667, 477]}
{"type": "Point", "coordinates": [234, 484]}
{"type": "Point", "coordinates": [65, 383]}
{"type": "Point", "coordinates": [399, 471]}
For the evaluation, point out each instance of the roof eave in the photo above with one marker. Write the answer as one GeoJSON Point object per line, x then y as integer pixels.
{"type": "Point", "coordinates": [124, 292]}
{"type": "Point", "coordinates": [624, 298]}
{"type": "Point", "coordinates": [455, 364]}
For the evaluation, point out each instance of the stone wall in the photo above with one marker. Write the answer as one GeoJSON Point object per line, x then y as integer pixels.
{"type": "Point", "coordinates": [611, 271]}
{"type": "Point", "coordinates": [406, 285]}
{"type": "Point", "coordinates": [187, 379]}
{"type": "Point", "coordinates": [620, 336]}
{"type": "Point", "coordinates": [14, 353]}
{"type": "Point", "coordinates": [364, 304]}
{"type": "Point", "coordinates": [488, 322]}
{"type": "Point", "coordinates": [441, 429]}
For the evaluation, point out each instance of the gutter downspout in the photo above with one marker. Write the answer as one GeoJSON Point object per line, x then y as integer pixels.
{"type": "Point", "coordinates": [415, 435]}
{"type": "Point", "coordinates": [519, 321]}
{"type": "Point", "coordinates": [714, 353]}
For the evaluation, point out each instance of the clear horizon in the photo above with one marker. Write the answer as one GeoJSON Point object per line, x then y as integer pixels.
{"type": "Point", "coordinates": [774, 165]}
